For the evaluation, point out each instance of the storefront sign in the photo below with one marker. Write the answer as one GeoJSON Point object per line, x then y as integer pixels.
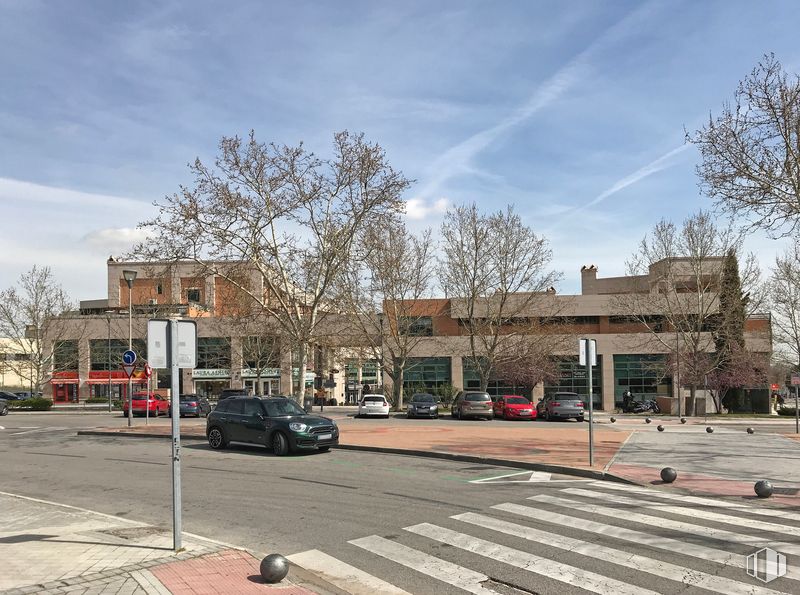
{"type": "Point", "coordinates": [265, 373]}
{"type": "Point", "coordinates": [211, 373]}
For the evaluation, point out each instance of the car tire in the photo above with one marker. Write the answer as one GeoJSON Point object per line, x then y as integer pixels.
{"type": "Point", "coordinates": [216, 438]}
{"type": "Point", "coordinates": [280, 444]}
{"type": "Point", "coordinates": [436, 416]}
{"type": "Point", "coordinates": [323, 448]}
{"type": "Point", "coordinates": [546, 416]}
{"type": "Point", "coordinates": [458, 415]}
{"type": "Point", "coordinates": [580, 419]}
{"type": "Point", "coordinates": [4, 410]}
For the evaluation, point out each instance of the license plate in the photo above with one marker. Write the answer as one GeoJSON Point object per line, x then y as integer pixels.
{"type": "Point", "coordinates": [324, 436]}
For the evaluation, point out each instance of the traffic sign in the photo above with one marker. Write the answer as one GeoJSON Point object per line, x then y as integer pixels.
{"type": "Point", "coordinates": [129, 368]}
{"type": "Point", "coordinates": [129, 357]}
{"type": "Point", "coordinates": [148, 371]}
{"type": "Point", "coordinates": [795, 379]}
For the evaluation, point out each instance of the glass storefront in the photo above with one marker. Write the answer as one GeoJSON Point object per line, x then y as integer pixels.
{"type": "Point", "coordinates": [572, 378]}
{"type": "Point", "coordinates": [643, 375]}
{"type": "Point", "coordinates": [426, 373]}
{"type": "Point", "coordinates": [472, 381]}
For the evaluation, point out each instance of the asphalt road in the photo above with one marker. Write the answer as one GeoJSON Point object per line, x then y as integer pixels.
{"type": "Point", "coordinates": [350, 505]}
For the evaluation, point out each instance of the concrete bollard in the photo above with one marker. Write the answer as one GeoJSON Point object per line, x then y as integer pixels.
{"type": "Point", "coordinates": [763, 488]}
{"type": "Point", "coordinates": [683, 420]}
{"type": "Point", "coordinates": [647, 420]}
{"type": "Point", "coordinates": [750, 431]}
{"type": "Point", "coordinates": [709, 429]}
{"type": "Point", "coordinates": [274, 568]}
{"type": "Point", "coordinates": [660, 428]}
{"type": "Point", "coordinates": [668, 475]}
{"type": "Point", "coordinates": [613, 419]}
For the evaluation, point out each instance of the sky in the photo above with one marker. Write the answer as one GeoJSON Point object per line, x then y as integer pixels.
{"type": "Point", "coordinates": [574, 112]}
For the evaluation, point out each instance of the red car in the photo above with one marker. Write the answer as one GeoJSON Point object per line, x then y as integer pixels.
{"type": "Point", "coordinates": [157, 405]}
{"type": "Point", "coordinates": [514, 407]}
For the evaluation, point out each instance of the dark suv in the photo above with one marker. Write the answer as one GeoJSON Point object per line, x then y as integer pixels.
{"type": "Point", "coordinates": [275, 422]}
{"type": "Point", "coordinates": [232, 392]}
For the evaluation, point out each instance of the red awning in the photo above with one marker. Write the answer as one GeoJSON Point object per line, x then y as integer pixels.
{"type": "Point", "coordinates": [65, 381]}
{"type": "Point", "coordinates": [114, 381]}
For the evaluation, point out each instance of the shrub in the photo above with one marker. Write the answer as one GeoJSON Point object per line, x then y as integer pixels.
{"type": "Point", "coordinates": [36, 404]}
{"type": "Point", "coordinates": [97, 400]}
{"type": "Point", "coordinates": [447, 392]}
{"type": "Point", "coordinates": [788, 411]}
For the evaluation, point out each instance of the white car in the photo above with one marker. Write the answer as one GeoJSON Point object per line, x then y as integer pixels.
{"type": "Point", "coordinates": [373, 405]}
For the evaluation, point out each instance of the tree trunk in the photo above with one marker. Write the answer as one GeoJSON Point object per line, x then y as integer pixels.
{"type": "Point", "coordinates": [300, 389]}
{"type": "Point", "coordinates": [692, 396]}
{"type": "Point", "coordinates": [398, 388]}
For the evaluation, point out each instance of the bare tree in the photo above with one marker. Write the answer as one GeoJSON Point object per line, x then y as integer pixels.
{"type": "Point", "coordinates": [30, 319]}
{"type": "Point", "coordinates": [495, 269]}
{"type": "Point", "coordinates": [751, 151]}
{"type": "Point", "coordinates": [396, 272]}
{"type": "Point", "coordinates": [679, 274]}
{"type": "Point", "coordinates": [784, 292]}
{"type": "Point", "coordinates": [279, 224]}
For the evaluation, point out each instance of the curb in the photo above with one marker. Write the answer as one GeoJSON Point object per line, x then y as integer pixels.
{"type": "Point", "coordinates": [432, 454]}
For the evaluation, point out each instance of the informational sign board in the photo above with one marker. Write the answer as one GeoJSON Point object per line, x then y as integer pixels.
{"type": "Point", "coordinates": [158, 344]}
{"type": "Point", "coordinates": [795, 379]}
{"type": "Point", "coordinates": [582, 350]}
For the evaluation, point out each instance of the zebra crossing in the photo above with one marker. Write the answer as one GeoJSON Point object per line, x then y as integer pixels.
{"type": "Point", "coordinates": [600, 537]}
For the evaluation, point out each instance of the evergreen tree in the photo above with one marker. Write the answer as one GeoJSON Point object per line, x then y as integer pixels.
{"type": "Point", "coordinates": [729, 334]}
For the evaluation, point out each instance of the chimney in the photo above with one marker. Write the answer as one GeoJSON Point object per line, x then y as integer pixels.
{"type": "Point", "coordinates": [588, 279]}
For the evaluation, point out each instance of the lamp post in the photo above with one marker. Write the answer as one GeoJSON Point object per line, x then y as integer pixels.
{"type": "Point", "coordinates": [130, 277]}
{"type": "Point", "coordinates": [108, 314]}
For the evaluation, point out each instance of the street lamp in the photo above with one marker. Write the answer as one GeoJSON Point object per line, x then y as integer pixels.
{"type": "Point", "coordinates": [130, 277]}
{"type": "Point", "coordinates": [108, 314]}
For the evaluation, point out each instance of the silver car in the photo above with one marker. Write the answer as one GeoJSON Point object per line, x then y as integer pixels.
{"type": "Point", "coordinates": [560, 406]}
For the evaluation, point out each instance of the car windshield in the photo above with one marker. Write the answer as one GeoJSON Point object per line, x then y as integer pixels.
{"type": "Point", "coordinates": [374, 399]}
{"type": "Point", "coordinates": [517, 401]}
{"type": "Point", "coordinates": [283, 407]}
{"type": "Point", "coordinates": [141, 397]}
{"type": "Point", "coordinates": [185, 398]}
{"type": "Point", "coordinates": [478, 397]}
{"type": "Point", "coordinates": [423, 399]}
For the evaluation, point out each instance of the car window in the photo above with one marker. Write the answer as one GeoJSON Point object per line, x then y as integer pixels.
{"type": "Point", "coordinates": [517, 400]}
{"type": "Point", "coordinates": [374, 399]}
{"type": "Point", "coordinates": [478, 397]}
{"type": "Point", "coordinates": [252, 407]}
{"type": "Point", "coordinates": [282, 407]}
{"type": "Point", "coordinates": [236, 406]}
{"type": "Point", "coordinates": [423, 399]}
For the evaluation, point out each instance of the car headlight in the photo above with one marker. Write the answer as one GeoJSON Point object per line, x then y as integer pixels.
{"type": "Point", "coordinates": [297, 427]}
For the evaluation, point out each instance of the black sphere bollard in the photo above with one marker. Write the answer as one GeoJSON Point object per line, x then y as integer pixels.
{"type": "Point", "coordinates": [763, 488]}
{"type": "Point", "coordinates": [613, 419]}
{"type": "Point", "coordinates": [683, 420]}
{"type": "Point", "coordinates": [660, 428]}
{"type": "Point", "coordinates": [751, 431]}
{"type": "Point", "coordinates": [274, 568]}
{"type": "Point", "coordinates": [710, 430]}
{"type": "Point", "coordinates": [668, 475]}
{"type": "Point", "coordinates": [647, 420]}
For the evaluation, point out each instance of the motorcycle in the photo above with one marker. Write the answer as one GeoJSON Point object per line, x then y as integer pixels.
{"type": "Point", "coordinates": [646, 406]}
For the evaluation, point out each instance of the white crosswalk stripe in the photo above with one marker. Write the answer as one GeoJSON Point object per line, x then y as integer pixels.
{"type": "Point", "coordinates": [759, 510]}
{"type": "Point", "coordinates": [692, 512]}
{"type": "Point", "coordinates": [447, 572]}
{"type": "Point", "coordinates": [673, 572]}
{"type": "Point", "coordinates": [590, 581]}
{"type": "Point", "coordinates": [627, 551]}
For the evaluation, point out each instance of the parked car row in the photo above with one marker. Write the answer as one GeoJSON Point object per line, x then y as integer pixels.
{"type": "Point", "coordinates": [481, 405]}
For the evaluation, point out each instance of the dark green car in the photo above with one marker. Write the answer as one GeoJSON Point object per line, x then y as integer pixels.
{"type": "Point", "coordinates": [276, 422]}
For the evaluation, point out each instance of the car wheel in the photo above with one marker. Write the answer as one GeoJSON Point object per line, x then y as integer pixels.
{"type": "Point", "coordinates": [216, 439]}
{"type": "Point", "coordinates": [458, 415]}
{"type": "Point", "coordinates": [546, 416]}
{"type": "Point", "coordinates": [436, 416]}
{"type": "Point", "coordinates": [324, 448]}
{"type": "Point", "coordinates": [280, 445]}
{"type": "Point", "coordinates": [580, 418]}
{"type": "Point", "coordinates": [4, 410]}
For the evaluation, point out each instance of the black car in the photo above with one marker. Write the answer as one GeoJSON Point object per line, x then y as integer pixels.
{"type": "Point", "coordinates": [275, 422]}
{"type": "Point", "coordinates": [3, 407]}
{"type": "Point", "coordinates": [232, 392]}
{"type": "Point", "coordinates": [194, 405]}
{"type": "Point", "coordinates": [423, 405]}
{"type": "Point", "coordinates": [7, 396]}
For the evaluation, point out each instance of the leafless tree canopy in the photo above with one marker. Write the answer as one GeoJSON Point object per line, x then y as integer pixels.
{"type": "Point", "coordinates": [29, 313]}
{"type": "Point", "coordinates": [396, 271]}
{"type": "Point", "coordinates": [283, 212]}
{"type": "Point", "coordinates": [496, 270]}
{"type": "Point", "coordinates": [751, 151]}
{"type": "Point", "coordinates": [784, 292]}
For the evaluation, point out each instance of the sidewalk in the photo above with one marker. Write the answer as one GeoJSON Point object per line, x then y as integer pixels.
{"type": "Point", "coordinates": [53, 549]}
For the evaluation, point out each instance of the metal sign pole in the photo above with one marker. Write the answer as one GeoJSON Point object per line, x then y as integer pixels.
{"type": "Point", "coordinates": [591, 403]}
{"type": "Point", "coordinates": [797, 409]}
{"type": "Point", "coordinates": [172, 338]}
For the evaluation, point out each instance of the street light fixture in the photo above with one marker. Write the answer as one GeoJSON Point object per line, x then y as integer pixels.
{"type": "Point", "coordinates": [108, 314]}
{"type": "Point", "coordinates": [130, 277]}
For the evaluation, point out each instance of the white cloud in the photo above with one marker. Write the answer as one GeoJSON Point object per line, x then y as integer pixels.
{"type": "Point", "coordinates": [418, 208]}
{"type": "Point", "coordinates": [115, 240]}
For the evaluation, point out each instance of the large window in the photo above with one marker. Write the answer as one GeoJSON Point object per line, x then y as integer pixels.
{"type": "Point", "coordinates": [99, 353]}
{"type": "Point", "coordinates": [213, 353]}
{"type": "Point", "coordinates": [259, 353]}
{"type": "Point", "coordinates": [496, 386]}
{"type": "Point", "coordinates": [643, 375]}
{"type": "Point", "coordinates": [572, 378]}
{"type": "Point", "coordinates": [416, 326]}
{"type": "Point", "coordinates": [65, 356]}
{"type": "Point", "coordinates": [427, 372]}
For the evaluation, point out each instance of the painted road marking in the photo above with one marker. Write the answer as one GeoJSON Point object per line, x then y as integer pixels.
{"type": "Point", "coordinates": [441, 570]}
{"type": "Point", "coordinates": [534, 477]}
{"type": "Point", "coordinates": [666, 570]}
{"type": "Point", "coordinates": [38, 430]}
{"type": "Point", "coordinates": [585, 579]}
{"type": "Point", "coordinates": [692, 512]}
{"type": "Point", "coordinates": [664, 523]}
{"type": "Point", "coordinates": [776, 512]}
{"type": "Point", "coordinates": [348, 578]}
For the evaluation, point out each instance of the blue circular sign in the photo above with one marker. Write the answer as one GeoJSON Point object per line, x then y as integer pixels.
{"type": "Point", "coordinates": [129, 357]}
